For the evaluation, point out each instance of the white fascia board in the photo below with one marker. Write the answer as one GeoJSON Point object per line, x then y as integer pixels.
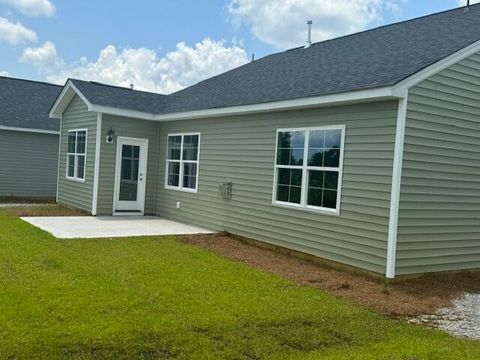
{"type": "Point", "coordinates": [67, 94]}
{"type": "Point", "coordinates": [427, 72]}
{"type": "Point", "coordinates": [122, 112]}
{"type": "Point", "coordinates": [348, 97]}
{"type": "Point", "coordinates": [395, 189]}
{"type": "Point", "coordinates": [38, 131]}
{"type": "Point", "coordinates": [383, 93]}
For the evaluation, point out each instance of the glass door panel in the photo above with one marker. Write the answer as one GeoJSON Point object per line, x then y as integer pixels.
{"type": "Point", "coordinates": [129, 173]}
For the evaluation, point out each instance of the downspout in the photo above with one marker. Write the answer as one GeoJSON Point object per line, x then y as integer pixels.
{"type": "Point", "coordinates": [395, 191]}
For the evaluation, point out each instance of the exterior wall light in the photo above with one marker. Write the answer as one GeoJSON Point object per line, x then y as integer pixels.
{"type": "Point", "coordinates": [110, 136]}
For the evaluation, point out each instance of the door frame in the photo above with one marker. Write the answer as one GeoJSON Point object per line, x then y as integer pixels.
{"type": "Point", "coordinates": [143, 162]}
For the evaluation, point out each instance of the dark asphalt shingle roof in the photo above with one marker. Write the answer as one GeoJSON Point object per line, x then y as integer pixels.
{"type": "Point", "coordinates": [25, 104]}
{"type": "Point", "coordinates": [120, 97]}
{"type": "Point", "coordinates": [374, 58]}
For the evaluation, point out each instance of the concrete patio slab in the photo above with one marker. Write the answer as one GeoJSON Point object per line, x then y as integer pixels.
{"type": "Point", "coordinates": [73, 227]}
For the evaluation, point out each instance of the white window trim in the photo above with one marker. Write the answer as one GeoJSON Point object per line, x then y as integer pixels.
{"type": "Point", "coordinates": [181, 161]}
{"type": "Point", "coordinates": [303, 199]}
{"type": "Point", "coordinates": [74, 177]}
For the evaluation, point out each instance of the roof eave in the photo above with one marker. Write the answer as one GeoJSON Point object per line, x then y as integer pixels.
{"type": "Point", "coordinates": [396, 91]}
{"type": "Point", "coordinates": [122, 112]}
{"type": "Point", "coordinates": [376, 94]}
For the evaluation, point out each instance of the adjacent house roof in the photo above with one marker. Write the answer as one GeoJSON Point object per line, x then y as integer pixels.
{"type": "Point", "coordinates": [371, 59]}
{"type": "Point", "coordinates": [25, 104]}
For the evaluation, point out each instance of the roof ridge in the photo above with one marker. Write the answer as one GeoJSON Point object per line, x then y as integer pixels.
{"type": "Point", "coordinates": [383, 26]}
{"type": "Point", "coordinates": [28, 80]}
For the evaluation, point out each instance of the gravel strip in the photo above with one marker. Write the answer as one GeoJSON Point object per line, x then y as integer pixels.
{"type": "Point", "coordinates": [462, 319]}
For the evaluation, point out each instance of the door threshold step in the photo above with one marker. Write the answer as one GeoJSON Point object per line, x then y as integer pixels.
{"type": "Point", "coordinates": [129, 213]}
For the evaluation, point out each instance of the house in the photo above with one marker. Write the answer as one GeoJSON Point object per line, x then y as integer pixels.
{"type": "Point", "coordinates": [363, 150]}
{"type": "Point", "coordinates": [28, 139]}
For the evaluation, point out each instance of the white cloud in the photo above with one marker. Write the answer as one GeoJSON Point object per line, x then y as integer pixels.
{"type": "Point", "coordinates": [15, 33]}
{"type": "Point", "coordinates": [282, 23]}
{"type": "Point", "coordinates": [32, 7]}
{"type": "Point", "coordinates": [44, 56]}
{"type": "Point", "coordinates": [4, 73]}
{"type": "Point", "coordinates": [142, 67]}
{"type": "Point", "coordinates": [464, 2]}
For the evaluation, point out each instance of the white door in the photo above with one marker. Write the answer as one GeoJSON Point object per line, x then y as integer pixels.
{"type": "Point", "coordinates": [130, 175]}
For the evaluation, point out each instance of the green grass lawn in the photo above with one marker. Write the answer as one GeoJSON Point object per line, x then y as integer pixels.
{"type": "Point", "coordinates": [156, 298]}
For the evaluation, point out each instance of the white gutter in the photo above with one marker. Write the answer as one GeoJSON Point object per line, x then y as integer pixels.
{"type": "Point", "coordinates": [121, 112]}
{"type": "Point", "coordinates": [38, 131]}
{"type": "Point", "coordinates": [315, 101]}
{"type": "Point", "coordinates": [348, 97]}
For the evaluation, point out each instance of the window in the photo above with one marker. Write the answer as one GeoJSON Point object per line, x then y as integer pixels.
{"type": "Point", "coordinates": [308, 167]}
{"type": "Point", "coordinates": [76, 153]}
{"type": "Point", "coordinates": [182, 162]}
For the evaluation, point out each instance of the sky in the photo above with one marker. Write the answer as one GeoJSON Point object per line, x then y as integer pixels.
{"type": "Point", "coordinates": [164, 45]}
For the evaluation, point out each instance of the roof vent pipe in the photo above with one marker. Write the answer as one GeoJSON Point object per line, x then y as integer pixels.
{"type": "Point", "coordinates": [309, 34]}
{"type": "Point", "coordinates": [132, 86]}
{"type": "Point", "coordinates": [467, 6]}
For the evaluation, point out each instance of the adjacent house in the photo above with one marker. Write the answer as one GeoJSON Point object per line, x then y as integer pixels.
{"type": "Point", "coordinates": [28, 139]}
{"type": "Point", "coordinates": [364, 150]}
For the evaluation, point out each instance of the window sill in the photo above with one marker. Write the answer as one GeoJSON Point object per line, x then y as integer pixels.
{"type": "Point", "coordinates": [75, 179]}
{"type": "Point", "coordinates": [186, 190]}
{"type": "Point", "coordinates": [310, 209]}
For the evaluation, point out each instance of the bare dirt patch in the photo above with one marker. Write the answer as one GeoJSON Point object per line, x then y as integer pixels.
{"type": "Point", "coordinates": [42, 210]}
{"type": "Point", "coordinates": [25, 200]}
{"type": "Point", "coordinates": [402, 298]}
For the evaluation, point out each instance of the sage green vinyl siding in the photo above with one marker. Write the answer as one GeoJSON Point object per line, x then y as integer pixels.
{"type": "Point", "coordinates": [28, 163]}
{"type": "Point", "coordinates": [241, 149]}
{"type": "Point", "coordinates": [439, 214]}
{"type": "Point", "coordinates": [129, 128]}
{"type": "Point", "coordinates": [71, 192]}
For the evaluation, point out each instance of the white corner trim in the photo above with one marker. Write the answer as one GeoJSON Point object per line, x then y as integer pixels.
{"type": "Point", "coordinates": [395, 191]}
{"type": "Point", "coordinates": [437, 67]}
{"type": "Point", "coordinates": [96, 172]}
{"type": "Point", "coordinates": [38, 131]}
{"type": "Point", "coordinates": [58, 157]}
